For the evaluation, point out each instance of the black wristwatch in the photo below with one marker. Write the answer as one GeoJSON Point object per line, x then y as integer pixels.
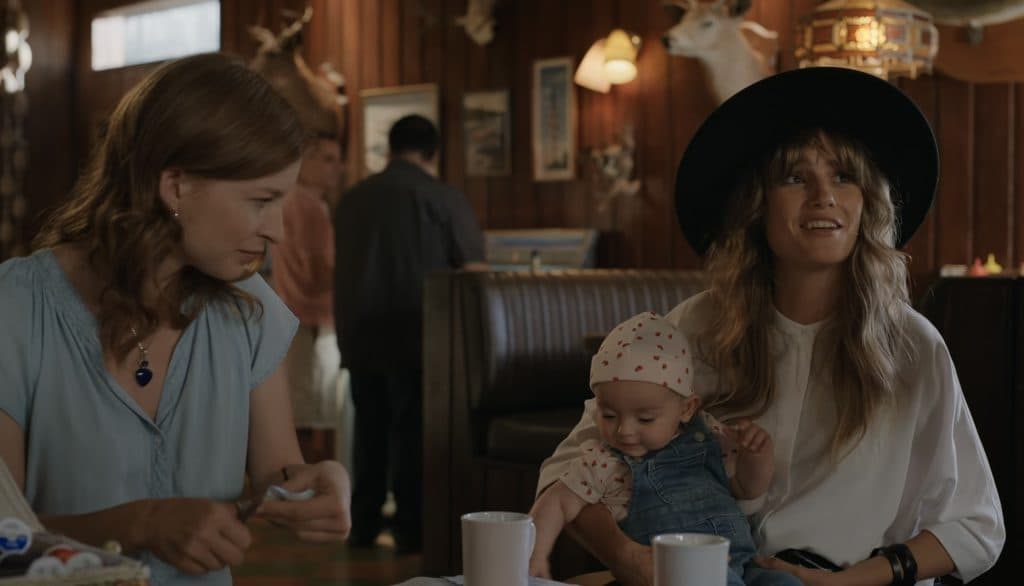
{"type": "Point", "coordinates": [902, 562]}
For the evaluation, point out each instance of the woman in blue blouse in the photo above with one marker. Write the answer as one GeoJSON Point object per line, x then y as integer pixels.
{"type": "Point", "coordinates": [140, 357]}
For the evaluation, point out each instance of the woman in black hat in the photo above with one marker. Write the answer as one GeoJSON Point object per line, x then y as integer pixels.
{"type": "Point", "coordinates": [799, 192]}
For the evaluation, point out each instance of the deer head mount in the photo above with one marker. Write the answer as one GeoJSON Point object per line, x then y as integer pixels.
{"type": "Point", "coordinates": [714, 33]}
{"type": "Point", "coordinates": [318, 99]}
{"type": "Point", "coordinates": [479, 21]}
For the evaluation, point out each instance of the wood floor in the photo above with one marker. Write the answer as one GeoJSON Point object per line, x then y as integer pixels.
{"type": "Point", "coordinates": [277, 558]}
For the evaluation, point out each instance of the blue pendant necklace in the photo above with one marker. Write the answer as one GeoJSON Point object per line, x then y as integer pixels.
{"type": "Point", "coordinates": [142, 373]}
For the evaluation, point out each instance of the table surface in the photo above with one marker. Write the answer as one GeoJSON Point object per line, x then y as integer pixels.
{"type": "Point", "coordinates": [593, 579]}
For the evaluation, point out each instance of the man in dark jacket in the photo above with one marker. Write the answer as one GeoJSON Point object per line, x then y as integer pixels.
{"type": "Point", "coordinates": [391, 230]}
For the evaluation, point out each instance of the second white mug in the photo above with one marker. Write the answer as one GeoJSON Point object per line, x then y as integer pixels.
{"type": "Point", "coordinates": [496, 548]}
{"type": "Point", "coordinates": [690, 559]}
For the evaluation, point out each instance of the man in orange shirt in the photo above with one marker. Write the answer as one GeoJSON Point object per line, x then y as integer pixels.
{"type": "Point", "coordinates": [302, 272]}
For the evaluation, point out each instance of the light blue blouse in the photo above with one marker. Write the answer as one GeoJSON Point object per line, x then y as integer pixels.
{"type": "Point", "coordinates": [89, 445]}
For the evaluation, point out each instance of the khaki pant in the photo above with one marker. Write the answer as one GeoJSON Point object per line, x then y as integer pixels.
{"type": "Point", "coordinates": [319, 388]}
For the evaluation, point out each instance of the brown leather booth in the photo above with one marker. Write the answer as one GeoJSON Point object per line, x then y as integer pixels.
{"type": "Point", "coordinates": [506, 365]}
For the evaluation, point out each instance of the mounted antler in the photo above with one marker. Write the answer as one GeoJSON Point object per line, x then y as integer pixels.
{"type": "Point", "coordinates": [278, 59]}
{"type": "Point", "coordinates": [479, 20]}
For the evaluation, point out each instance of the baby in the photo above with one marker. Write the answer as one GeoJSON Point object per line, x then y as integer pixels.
{"type": "Point", "coordinates": [660, 466]}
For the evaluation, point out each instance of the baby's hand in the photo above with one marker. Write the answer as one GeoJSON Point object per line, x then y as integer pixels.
{"type": "Point", "coordinates": [755, 460]}
{"type": "Point", "coordinates": [540, 567]}
{"type": "Point", "coordinates": [751, 438]}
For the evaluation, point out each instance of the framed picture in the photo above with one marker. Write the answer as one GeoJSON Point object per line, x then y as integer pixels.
{"type": "Point", "coordinates": [382, 107]}
{"type": "Point", "coordinates": [487, 129]}
{"type": "Point", "coordinates": [554, 120]}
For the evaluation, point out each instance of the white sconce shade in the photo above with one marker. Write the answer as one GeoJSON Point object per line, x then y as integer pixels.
{"type": "Point", "coordinates": [610, 60]}
{"type": "Point", "coordinates": [590, 74]}
{"type": "Point", "coordinates": [620, 51]}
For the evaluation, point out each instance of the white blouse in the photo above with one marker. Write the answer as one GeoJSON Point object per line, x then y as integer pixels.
{"type": "Point", "coordinates": [919, 466]}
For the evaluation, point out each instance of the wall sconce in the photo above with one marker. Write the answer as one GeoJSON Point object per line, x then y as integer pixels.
{"type": "Point", "coordinates": [887, 38]}
{"type": "Point", "coordinates": [17, 54]}
{"type": "Point", "coordinates": [611, 60]}
{"type": "Point", "coordinates": [13, 109]}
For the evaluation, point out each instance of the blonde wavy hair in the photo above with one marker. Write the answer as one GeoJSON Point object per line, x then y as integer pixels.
{"type": "Point", "coordinates": [870, 319]}
{"type": "Point", "coordinates": [209, 116]}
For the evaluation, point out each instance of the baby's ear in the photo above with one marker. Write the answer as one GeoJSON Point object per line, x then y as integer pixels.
{"type": "Point", "coordinates": [690, 405]}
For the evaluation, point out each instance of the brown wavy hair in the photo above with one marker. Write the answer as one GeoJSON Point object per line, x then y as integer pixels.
{"type": "Point", "coordinates": [870, 318]}
{"type": "Point", "coordinates": [211, 117]}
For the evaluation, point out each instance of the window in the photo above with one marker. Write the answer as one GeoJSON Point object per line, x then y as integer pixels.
{"type": "Point", "coordinates": [154, 31]}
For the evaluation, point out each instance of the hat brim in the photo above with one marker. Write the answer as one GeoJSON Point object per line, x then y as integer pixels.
{"type": "Point", "coordinates": [753, 122]}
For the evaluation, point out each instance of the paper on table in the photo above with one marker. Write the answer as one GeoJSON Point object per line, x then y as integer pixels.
{"type": "Point", "coordinates": [534, 581]}
{"type": "Point", "coordinates": [422, 581]}
{"type": "Point", "coordinates": [13, 503]}
{"type": "Point", "coordinates": [116, 569]}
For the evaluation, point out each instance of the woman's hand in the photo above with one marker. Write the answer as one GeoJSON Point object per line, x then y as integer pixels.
{"type": "Point", "coordinates": [634, 566]}
{"type": "Point", "coordinates": [809, 576]}
{"type": "Point", "coordinates": [323, 518]}
{"type": "Point", "coordinates": [195, 535]}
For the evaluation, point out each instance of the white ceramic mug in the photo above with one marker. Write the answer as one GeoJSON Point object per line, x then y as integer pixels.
{"type": "Point", "coordinates": [496, 548]}
{"type": "Point", "coordinates": [690, 559]}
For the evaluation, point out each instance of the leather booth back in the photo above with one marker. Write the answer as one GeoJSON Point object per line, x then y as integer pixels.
{"type": "Point", "coordinates": [525, 333]}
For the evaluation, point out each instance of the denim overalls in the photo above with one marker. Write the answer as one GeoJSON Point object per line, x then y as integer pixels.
{"type": "Point", "coordinates": [683, 488]}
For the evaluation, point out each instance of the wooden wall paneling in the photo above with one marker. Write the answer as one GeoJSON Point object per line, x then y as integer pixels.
{"type": "Point", "coordinates": [523, 205]}
{"type": "Point", "coordinates": [350, 59]}
{"type": "Point", "coordinates": [691, 102]}
{"type": "Point", "coordinates": [577, 198]}
{"type": "Point", "coordinates": [993, 218]}
{"type": "Point", "coordinates": [98, 92]}
{"type": "Point", "coordinates": [632, 102]}
{"type": "Point", "coordinates": [432, 25]}
{"type": "Point", "coordinates": [953, 209]}
{"type": "Point", "coordinates": [456, 46]}
{"type": "Point", "coordinates": [398, 42]}
{"type": "Point", "coordinates": [550, 196]}
{"type": "Point", "coordinates": [390, 42]}
{"type": "Point", "coordinates": [476, 79]}
{"type": "Point", "coordinates": [984, 62]}
{"type": "Point", "coordinates": [921, 248]}
{"type": "Point", "coordinates": [318, 33]}
{"type": "Point", "coordinates": [596, 110]}
{"type": "Point", "coordinates": [369, 45]}
{"type": "Point", "coordinates": [657, 164]}
{"type": "Point", "coordinates": [48, 127]}
{"type": "Point", "coordinates": [497, 61]}
{"type": "Point", "coordinates": [230, 33]}
{"type": "Point", "coordinates": [612, 114]}
{"type": "Point", "coordinates": [1017, 156]}
{"type": "Point", "coordinates": [411, 39]}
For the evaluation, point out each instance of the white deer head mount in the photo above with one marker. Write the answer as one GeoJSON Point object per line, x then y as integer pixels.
{"type": "Point", "coordinates": [479, 21]}
{"type": "Point", "coordinates": [713, 32]}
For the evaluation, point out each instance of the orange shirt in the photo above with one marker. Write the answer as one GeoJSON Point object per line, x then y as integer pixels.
{"type": "Point", "coordinates": [302, 267]}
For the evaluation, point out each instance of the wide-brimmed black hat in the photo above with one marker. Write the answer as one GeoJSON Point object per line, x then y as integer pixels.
{"type": "Point", "coordinates": [751, 124]}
